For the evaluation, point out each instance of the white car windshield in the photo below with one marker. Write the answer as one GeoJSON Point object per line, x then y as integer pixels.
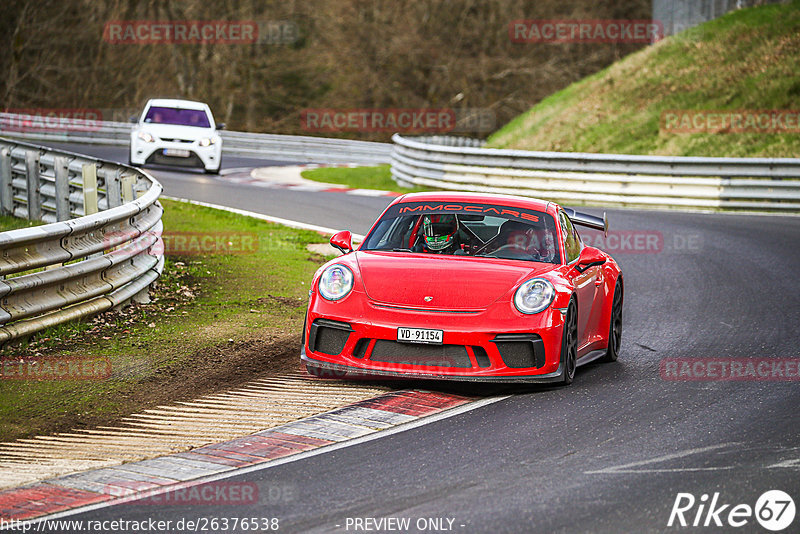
{"type": "Point", "coordinates": [177, 116]}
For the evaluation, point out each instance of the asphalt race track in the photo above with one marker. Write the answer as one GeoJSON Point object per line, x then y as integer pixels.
{"type": "Point", "coordinates": [322, 209]}
{"type": "Point", "coordinates": [609, 453]}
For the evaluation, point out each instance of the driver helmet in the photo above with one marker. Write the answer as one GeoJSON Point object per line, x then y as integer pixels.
{"type": "Point", "coordinates": [439, 231]}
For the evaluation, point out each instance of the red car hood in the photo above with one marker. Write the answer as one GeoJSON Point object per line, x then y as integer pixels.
{"type": "Point", "coordinates": [451, 282]}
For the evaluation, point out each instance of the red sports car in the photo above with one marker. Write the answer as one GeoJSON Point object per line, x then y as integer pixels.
{"type": "Point", "coordinates": [466, 286]}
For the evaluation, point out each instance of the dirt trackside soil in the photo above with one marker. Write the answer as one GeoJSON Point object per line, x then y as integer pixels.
{"type": "Point", "coordinates": [216, 320]}
{"type": "Point", "coordinates": [221, 367]}
{"type": "Point", "coordinates": [215, 369]}
{"type": "Point", "coordinates": [166, 374]}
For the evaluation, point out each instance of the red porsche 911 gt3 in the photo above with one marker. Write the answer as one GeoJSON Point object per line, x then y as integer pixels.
{"type": "Point", "coordinates": [466, 286]}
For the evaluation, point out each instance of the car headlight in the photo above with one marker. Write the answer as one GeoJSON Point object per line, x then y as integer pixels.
{"type": "Point", "coordinates": [534, 296]}
{"type": "Point", "coordinates": [146, 137]}
{"type": "Point", "coordinates": [206, 141]}
{"type": "Point", "coordinates": [336, 282]}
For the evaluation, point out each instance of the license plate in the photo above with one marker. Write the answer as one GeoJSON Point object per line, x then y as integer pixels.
{"type": "Point", "coordinates": [176, 152]}
{"type": "Point", "coordinates": [419, 335]}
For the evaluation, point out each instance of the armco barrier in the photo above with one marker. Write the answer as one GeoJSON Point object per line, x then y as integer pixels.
{"type": "Point", "coordinates": [101, 249]}
{"type": "Point", "coordinates": [755, 184]}
{"type": "Point", "coordinates": [294, 148]}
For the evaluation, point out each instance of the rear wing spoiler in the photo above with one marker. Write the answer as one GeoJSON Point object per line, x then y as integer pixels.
{"type": "Point", "coordinates": [590, 221]}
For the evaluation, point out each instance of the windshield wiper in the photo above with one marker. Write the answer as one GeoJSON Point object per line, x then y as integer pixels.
{"type": "Point", "coordinates": [402, 250]}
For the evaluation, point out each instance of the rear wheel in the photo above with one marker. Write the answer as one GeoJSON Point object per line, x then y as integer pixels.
{"type": "Point", "coordinates": [569, 344]}
{"type": "Point", "coordinates": [615, 329]}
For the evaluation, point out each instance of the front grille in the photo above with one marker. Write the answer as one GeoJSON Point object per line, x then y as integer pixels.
{"type": "Point", "coordinates": [158, 157]}
{"type": "Point", "coordinates": [328, 337]}
{"type": "Point", "coordinates": [520, 350]}
{"type": "Point", "coordinates": [387, 351]}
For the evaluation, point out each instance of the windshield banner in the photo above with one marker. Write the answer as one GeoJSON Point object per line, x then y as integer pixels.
{"type": "Point", "coordinates": [462, 208]}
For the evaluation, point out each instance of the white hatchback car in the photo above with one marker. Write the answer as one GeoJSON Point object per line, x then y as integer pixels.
{"type": "Point", "coordinates": [176, 132]}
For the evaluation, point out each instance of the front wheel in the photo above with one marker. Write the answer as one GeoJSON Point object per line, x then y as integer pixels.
{"type": "Point", "coordinates": [130, 161]}
{"type": "Point", "coordinates": [569, 345]}
{"type": "Point", "coordinates": [214, 171]}
{"type": "Point", "coordinates": [615, 328]}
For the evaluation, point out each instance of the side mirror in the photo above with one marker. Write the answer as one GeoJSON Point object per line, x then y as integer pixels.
{"type": "Point", "coordinates": [221, 126]}
{"type": "Point", "coordinates": [589, 257]}
{"type": "Point", "coordinates": [133, 119]}
{"type": "Point", "coordinates": [343, 241]}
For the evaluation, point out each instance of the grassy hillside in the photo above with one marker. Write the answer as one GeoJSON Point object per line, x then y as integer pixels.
{"type": "Point", "coordinates": [746, 60]}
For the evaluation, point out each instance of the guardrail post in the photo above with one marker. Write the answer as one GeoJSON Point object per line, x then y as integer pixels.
{"type": "Point", "coordinates": [89, 189]}
{"type": "Point", "coordinates": [33, 193]}
{"type": "Point", "coordinates": [113, 193]}
{"type": "Point", "coordinates": [61, 164]}
{"type": "Point", "coordinates": [127, 188]}
{"type": "Point", "coordinates": [6, 192]}
{"type": "Point", "coordinates": [142, 297]}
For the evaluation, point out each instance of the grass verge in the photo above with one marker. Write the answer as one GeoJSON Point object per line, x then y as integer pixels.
{"type": "Point", "coordinates": [379, 178]}
{"type": "Point", "coordinates": [12, 223]}
{"type": "Point", "coordinates": [220, 315]}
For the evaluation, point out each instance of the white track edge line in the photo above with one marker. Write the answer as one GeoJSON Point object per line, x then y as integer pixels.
{"type": "Point", "coordinates": [261, 216]}
{"type": "Point", "coordinates": [422, 421]}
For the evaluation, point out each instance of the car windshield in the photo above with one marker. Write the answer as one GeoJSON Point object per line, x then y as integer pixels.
{"type": "Point", "coordinates": [466, 229]}
{"type": "Point", "coordinates": [179, 116]}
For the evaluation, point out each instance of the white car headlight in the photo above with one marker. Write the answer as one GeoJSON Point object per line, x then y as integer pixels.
{"type": "Point", "coordinates": [146, 137]}
{"type": "Point", "coordinates": [336, 282]}
{"type": "Point", "coordinates": [534, 296]}
{"type": "Point", "coordinates": [206, 141]}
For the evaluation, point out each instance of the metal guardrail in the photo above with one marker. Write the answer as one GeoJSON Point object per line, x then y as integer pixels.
{"type": "Point", "coordinates": [101, 249]}
{"type": "Point", "coordinates": [756, 184]}
{"type": "Point", "coordinates": [292, 148]}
